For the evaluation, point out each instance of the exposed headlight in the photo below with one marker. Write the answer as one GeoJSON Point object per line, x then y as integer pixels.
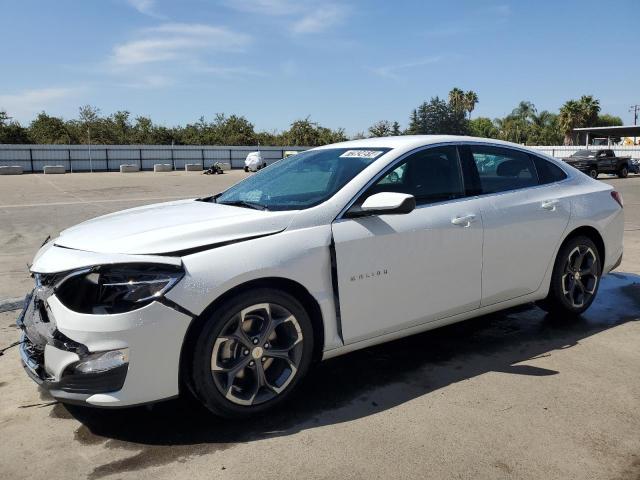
{"type": "Point", "coordinates": [116, 288]}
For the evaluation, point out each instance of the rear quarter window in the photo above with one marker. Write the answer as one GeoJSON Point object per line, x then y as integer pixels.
{"type": "Point", "coordinates": [547, 171]}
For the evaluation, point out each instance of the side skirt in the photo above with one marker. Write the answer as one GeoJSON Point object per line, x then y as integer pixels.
{"type": "Point", "coordinates": [387, 337]}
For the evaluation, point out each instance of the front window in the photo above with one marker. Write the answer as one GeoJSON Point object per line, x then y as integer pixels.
{"type": "Point", "coordinates": [301, 181]}
{"type": "Point", "coordinates": [583, 154]}
{"type": "Point", "coordinates": [430, 175]}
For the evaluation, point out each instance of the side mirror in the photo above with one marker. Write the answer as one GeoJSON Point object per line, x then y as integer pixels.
{"type": "Point", "coordinates": [384, 203]}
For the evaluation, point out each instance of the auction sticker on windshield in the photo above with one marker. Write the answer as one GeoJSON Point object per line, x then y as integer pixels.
{"type": "Point", "coordinates": [361, 154]}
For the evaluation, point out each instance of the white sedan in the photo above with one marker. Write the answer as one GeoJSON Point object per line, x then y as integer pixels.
{"type": "Point", "coordinates": [233, 296]}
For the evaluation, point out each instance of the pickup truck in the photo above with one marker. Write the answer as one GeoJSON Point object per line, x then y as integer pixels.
{"type": "Point", "coordinates": [594, 162]}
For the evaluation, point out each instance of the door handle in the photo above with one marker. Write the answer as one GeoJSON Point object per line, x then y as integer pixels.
{"type": "Point", "coordinates": [550, 204]}
{"type": "Point", "coordinates": [464, 221]}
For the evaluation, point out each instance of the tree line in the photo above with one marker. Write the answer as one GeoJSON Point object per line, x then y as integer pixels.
{"type": "Point", "coordinates": [523, 125]}
{"type": "Point", "coordinates": [450, 116]}
{"type": "Point", "coordinates": [91, 127]}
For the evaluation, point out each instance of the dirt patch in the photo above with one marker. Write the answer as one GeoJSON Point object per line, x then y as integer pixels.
{"type": "Point", "coordinates": [59, 411]}
{"type": "Point", "coordinates": [150, 457]}
{"type": "Point", "coordinates": [145, 455]}
{"type": "Point", "coordinates": [632, 472]}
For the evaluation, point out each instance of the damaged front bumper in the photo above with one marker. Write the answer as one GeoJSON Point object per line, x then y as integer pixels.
{"type": "Point", "coordinates": [109, 360]}
{"type": "Point", "coordinates": [63, 366]}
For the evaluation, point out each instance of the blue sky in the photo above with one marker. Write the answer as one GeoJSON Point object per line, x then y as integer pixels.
{"type": "Point", "coordinates": [346, 63]}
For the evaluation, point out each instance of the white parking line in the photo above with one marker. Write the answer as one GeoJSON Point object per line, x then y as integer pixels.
{"type": "Point", "coordinates": [111, 200]}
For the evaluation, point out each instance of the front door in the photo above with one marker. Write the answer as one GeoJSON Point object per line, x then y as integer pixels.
{"type": "Point", "coordinates": [398, 271]}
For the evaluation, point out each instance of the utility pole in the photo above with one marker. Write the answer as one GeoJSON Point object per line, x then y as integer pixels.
{"type": "Point", "coordinates": [89, 139]}
{"type": "Point", "coordinates": [635, 109]}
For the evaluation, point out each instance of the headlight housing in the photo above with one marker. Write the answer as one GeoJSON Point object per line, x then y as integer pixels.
{"type": "Point", "coordinates": [116, 288]}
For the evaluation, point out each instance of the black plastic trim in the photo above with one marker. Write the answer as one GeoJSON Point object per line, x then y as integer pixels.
{"type": "Point", "coordinates": [171, 304]}
{"type": "Point", "coordinates": [334, 285]}
{"type": "Point", "coordinates": [211, 246]}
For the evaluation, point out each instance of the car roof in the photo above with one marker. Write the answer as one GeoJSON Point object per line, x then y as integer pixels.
{"type": "Point", "coordinates": [408, 142]}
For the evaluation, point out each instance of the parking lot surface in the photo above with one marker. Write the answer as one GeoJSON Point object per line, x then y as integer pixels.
{"type": "Point", "coordinates": [517, 394]}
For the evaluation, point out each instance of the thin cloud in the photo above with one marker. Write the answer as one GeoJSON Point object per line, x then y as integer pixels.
{"type": "Point", "coordinates": [266, 7]}
{"type": "Point", "coordinates": [502, 10]}
{"type": "Point", "coordinates": [149, 81]}
{"type": "Point", "coordinates": [27, 103]}
{"type": "Point", "coordinates": [320, 19]}
{"type": "Point", "coordinates": [394, 71]}
{"type": "Point", "coordinates": [230, 72]}
{"type": "Point", "coordinates": [172, 41]}
{"type": "Point", "coordinates": [307, 16]}
{"type": "Point", "coordinates": [446, 31]}
{"type": "Point", "coordinates": [145, 7]}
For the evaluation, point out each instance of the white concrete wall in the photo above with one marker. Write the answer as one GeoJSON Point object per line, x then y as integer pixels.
{"type": "Point", "coordinates": [110, 157]}
{"type": "Point", "coordinates": [561, 151]}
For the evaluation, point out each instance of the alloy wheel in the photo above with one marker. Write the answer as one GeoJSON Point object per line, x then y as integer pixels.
{"type": "Point", "coordinates": [580, 277]}
{"type": "Point", "coordinates": [257, 354]}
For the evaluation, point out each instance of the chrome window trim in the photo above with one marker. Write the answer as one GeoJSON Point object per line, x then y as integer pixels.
{"type": "Point", "coordinates": [385, 170]}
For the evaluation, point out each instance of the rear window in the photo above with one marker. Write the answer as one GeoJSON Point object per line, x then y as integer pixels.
{"type": "Point", "coordinates": [502, 169]}
{"type": "Point", "coordinates": [547, 171]}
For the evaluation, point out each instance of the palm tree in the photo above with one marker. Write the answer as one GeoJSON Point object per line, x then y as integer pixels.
{"type": "Point", "coordinates": [470, 101]}
{"type": "Point", "coordinates": [525, 110]}
{"type": "Point", "coordinates": [457, 99]}
{"type": "Point", "coordinates": [590, 108]}
{"type": "Point", "coordinates": [571, 115]}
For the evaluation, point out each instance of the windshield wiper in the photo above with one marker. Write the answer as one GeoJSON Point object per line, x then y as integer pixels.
{"type": "Point", "coordinates": [245, 204]}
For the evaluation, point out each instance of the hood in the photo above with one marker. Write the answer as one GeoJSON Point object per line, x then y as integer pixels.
{"type": "Point", "coordinates": [171, 227]}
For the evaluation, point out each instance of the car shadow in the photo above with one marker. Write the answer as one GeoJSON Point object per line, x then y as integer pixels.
{"type": "Point", "coordinates": [359, 384]}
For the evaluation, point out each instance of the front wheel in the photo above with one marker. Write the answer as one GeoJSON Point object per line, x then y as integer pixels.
{"type": "Point", "coordinates": [252, 353]}
{"type": "Point", "coordinates": [624, 172]}
{"type": "Point", "coordinates": [575, 278]}
{"type": "Point", "coordinates": [593, 173]}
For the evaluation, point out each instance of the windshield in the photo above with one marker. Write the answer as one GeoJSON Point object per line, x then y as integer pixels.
{"type": "Point", "coordinates": [584, 153]}
{"type": "Point", "coordinates": [302, 180]}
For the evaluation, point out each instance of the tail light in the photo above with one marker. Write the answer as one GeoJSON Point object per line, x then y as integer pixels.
{"type": "Point", "coordinates": [618, 198]}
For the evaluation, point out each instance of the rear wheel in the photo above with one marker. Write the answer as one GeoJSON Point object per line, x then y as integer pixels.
{"type": "Point", "coordinates": [575, 278]}
{"type": "Point", "coordinates": [624, 172]}
{"type": "Point", "coordinates": [252, 353]}
{"type": "Point", "coordinates": [593, 173]}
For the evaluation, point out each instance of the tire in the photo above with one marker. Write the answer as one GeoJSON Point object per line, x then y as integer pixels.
{"type": "Point", "coordinates": [233, 376]}
{"type": "Point", "coordinates": [593, 173]}
{"type": "Point", "coordinates": [246, 169]}
{"type": "Point", "coordinates": [624, 172]}
{"type": "Point", "coordinates": [572, 290]}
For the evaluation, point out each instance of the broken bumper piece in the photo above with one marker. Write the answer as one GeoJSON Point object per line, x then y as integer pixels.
{"type": "Point", "coordinates": [110, 360]}
{"type": "Point", "coordinates": [63, 366]}
{"type": "Point", "coordinates": [96, 373]}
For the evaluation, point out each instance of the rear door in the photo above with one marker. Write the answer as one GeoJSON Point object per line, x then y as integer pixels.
{"type": "Point", "coordinates": [398, 271]}
{"type": "Point", "coordinates": [523, 218]}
